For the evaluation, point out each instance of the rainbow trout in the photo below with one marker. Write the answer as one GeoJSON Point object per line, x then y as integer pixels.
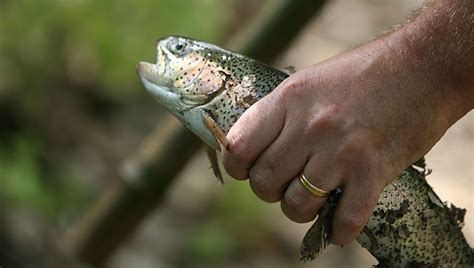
{"type": "Point", "coordinates": [208, 88]}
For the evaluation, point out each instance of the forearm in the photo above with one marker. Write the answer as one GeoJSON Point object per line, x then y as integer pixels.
{"type": "Point", "coordinates": [439, 47]}
{"type": "Point", "coordinates": [413, 83]}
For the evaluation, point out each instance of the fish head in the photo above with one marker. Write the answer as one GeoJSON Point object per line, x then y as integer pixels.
{"type": "Point", "coordinates": [188, 74]}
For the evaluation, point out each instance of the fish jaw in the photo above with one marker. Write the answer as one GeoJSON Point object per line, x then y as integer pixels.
{"type": "Point", "coordinates": [162, 93]}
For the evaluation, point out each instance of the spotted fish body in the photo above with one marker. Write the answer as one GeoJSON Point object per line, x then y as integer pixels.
{"type": "Point", "coordinates": [208, 88]}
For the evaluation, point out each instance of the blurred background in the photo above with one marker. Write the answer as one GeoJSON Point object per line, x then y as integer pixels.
{"type": "Point", "coordinates": [72, 110]}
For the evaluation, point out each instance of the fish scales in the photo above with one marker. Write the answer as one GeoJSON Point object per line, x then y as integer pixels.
{"type": "Point", "coordinates": [247, 83]}
{"type": "Point", "coordinates": [208, 88]}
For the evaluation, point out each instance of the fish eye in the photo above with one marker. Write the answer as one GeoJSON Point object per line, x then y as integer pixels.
{"type": "Point", "coordinates": [177, 47]}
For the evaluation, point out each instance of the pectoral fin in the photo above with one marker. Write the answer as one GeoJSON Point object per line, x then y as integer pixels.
{"type": "Point", "coordinates": [212, 155]}
{"type": "Point", "coordinates": [215, 130]}
{"type": "Point", "coordinates": [318, 236]}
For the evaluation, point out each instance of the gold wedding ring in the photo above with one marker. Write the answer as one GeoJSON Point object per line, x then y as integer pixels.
{"type": "Point", "coordinates": [311, 188]}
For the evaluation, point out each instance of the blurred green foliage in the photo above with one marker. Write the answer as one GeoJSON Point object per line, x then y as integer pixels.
{"type": "Point", "coordinates": [237, 218]}
{"type": "Point", "coordinates": [23, 186]}
{"type": "Point", "coordinates": [209, 243]}
{"type": "Point", "coordinates": [17, 162]}
{"type": "Point", "coordinates": [88, 40]}
{"type": "Point", "coordinates": [49, 46]}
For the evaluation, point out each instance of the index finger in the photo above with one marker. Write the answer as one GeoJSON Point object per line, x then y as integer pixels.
{"type": "Point", "coordinates": [254, 131]}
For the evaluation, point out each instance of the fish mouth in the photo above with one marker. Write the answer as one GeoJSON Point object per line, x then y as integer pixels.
{"type": "Point", "coordinates": [154, 85]}
{"type": "Point", "coordinates": [147, 71]}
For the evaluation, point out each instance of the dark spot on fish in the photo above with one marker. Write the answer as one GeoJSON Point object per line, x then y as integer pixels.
{"type": "Point", "coordinates": [382, 230]}
{"type": "Point", "coordinates": [395, 214]}
{"type": "Point", "coordinates": [249, 99]}
{"type": "Point", "coordinates": [403, 231]}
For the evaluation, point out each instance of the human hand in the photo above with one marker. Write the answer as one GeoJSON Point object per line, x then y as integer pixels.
{"type": "Point", "coordinates": [354, 121]}
{"type": "Point", "coordinates": [319, 122]}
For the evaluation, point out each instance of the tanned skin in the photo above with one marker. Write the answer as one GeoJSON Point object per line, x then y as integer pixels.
{"type": "Point", "coordinates": [358, 119]}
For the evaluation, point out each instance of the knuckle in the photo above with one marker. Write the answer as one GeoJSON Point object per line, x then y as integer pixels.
{"type": "Point", "coordinates": [352, 223]}
{"type": "Point", "coordinates": [325, 120]}
{"type": "Point", "coordinates": [348, 228]}
{"type": "Point", "coordinates": [293, 201]}
{"type": "Point", "coordinates": [295, 209]}
{"type": "Point", "coordinates": [262, 186]}
{"type": "Point", "coordinates": [358, 143]}
{"type": "Point", "coordinates": [233, 170]}
{"type": "Point", "coordinates": [292, 86]}
{"type": "Point", "coordinates": [353, 145]}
